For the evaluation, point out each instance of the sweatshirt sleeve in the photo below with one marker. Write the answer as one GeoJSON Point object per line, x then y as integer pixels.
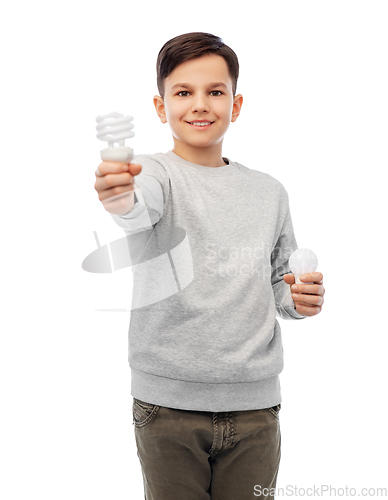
{"type": "Point", "coordinates": [284, 247]}
{"type": "Point", "coordinates": [152, 187]}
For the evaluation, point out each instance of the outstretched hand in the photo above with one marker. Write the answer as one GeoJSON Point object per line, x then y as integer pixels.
{"type": "Point", "coordinates": [308, 299]}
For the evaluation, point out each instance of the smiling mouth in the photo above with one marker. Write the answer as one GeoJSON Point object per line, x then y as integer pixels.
{"type": "Point", "coordinates": [200, 124]}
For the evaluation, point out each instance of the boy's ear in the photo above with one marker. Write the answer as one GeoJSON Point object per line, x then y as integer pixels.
{"type": "Point", "coordinates": [237, 103]}
{"type": "Point", "coordinates": [160, 109]}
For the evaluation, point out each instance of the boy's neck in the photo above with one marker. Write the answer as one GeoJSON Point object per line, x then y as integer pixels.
{"type": "Point", "coordinates": [201, 156]}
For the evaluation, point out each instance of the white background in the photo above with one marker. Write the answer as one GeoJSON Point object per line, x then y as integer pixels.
{"type": "Point", "coordinates": [314, 80]}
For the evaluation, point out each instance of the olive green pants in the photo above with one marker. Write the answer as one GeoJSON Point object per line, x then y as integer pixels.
{"type": "Point", "coordinates": [200, 455]}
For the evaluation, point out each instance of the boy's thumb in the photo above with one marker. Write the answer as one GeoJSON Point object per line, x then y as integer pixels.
{"type": "Point", "coordinates": [289, 279]}
{"type": "Point", "coordinates": [135, 168]}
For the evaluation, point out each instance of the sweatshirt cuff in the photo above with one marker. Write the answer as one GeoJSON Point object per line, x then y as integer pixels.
{"type": "Point", "coordinates": [288, 305]}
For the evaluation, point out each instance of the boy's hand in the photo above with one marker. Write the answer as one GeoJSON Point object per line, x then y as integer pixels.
{"type": "Point", "coordinates": [308, 299]}
{"type": "Point", "coordinates": [114, 185]}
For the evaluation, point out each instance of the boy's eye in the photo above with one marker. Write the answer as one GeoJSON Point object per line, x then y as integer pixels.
{"type": "Point", "coordinates": [215, 93]}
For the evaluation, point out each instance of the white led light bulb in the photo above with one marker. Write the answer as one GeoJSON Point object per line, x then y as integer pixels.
{"type": "Point", "coordinates": [115, 128]}
{"type": "Point", "coordinates": [303, 261]}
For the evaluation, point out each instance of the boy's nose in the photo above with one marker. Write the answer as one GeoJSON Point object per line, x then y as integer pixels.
{"type": "Point", "coordinates": [200, 104]}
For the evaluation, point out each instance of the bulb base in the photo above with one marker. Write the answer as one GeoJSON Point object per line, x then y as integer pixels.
{"type": "Point", "coordinates": [122, 154]}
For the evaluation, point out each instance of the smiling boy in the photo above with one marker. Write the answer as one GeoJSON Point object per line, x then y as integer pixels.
{"type": "Point", "coordinates": [199, 103]}
{"type": "Point", "coordinates": [205, 361]}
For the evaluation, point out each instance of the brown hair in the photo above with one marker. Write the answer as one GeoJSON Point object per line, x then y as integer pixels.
{"type": "Point", "coordinates": [190, 46]}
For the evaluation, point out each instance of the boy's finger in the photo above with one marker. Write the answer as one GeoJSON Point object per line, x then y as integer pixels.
{"type": "Point", "coordinates": [311, 300]}
{"type": "Point", "coordinates": [306, 310]}
{"type": "Point", "coordinates": [113, 167]}
{"type": "Point", "coordinates": [309, 289]}
{"type": "Point", "coordinates": [110, 167]}
{"type": "Point", "coordinates": [110, 181]}
{"type": "Point", "coordinates": [314, 277]}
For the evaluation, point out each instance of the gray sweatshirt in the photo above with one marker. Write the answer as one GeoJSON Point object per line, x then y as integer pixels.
{"type": "Point", "coordinates": [209, 247]}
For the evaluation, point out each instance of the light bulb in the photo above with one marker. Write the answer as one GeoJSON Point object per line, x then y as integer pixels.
{"type": "Point", "coordinates": [303, 261]}
{"type": "Point", "coordinates": [115, 128]}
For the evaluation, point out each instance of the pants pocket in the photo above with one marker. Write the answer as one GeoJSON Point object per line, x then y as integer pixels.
{"type": "Point", "coordinates": [142, 412]}
{"type": "Point", "coordinates": [275, 410]}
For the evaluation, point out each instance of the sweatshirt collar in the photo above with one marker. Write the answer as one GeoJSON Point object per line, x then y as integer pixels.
{"type": "Point", "coordinates": [230, 168]}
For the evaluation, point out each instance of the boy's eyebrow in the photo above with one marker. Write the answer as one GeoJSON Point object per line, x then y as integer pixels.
{"type": "Point", "coordinates": [187, 85]}
{"type": "Point", "coordinates": [184, 85]}
{"type": "Point", "coordinates": [218, 84]}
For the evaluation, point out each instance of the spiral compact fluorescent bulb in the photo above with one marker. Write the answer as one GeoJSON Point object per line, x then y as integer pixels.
{"type": "Point", "coordinates": [115, 128]}
{"type": "Point", "coordinates": [303, 261]}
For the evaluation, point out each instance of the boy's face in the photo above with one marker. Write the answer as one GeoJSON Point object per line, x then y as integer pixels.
{"type": "Point", "coordinates": [199, 90]}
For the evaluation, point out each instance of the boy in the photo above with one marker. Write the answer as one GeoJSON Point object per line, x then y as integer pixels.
{"type": "Point", "coordinates": [205, 361]}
